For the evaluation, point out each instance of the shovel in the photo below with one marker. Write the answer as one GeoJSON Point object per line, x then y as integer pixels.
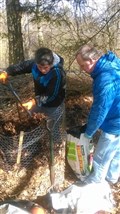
{"type": "Point", "coordinates": [9, 85]}
{"type": "Point", "coordinates": [50, 126]}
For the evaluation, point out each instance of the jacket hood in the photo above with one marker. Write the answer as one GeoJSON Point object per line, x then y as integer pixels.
{"type": "Point", "coordinates": [108, 57]}
{"type": "Point", "coordinates": [56, 59]}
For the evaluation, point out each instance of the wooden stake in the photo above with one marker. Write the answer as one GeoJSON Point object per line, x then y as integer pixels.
{"type": "Point", "coordinates": [20, 147]}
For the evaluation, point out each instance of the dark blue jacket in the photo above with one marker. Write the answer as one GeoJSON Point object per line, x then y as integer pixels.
{"type": "Point", "coordinates": [50, 86]}
{"type": "Point", "coordinates": [105, 110]}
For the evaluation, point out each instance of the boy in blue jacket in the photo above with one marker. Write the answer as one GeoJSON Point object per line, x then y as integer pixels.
{"type": "Point", "coordinates": [105, 111]}
{"type": "Point", "coordinates": [49, 84]}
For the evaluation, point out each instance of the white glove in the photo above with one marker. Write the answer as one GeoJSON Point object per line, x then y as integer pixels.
{"type": "Point", "coordinates": [41, 100]}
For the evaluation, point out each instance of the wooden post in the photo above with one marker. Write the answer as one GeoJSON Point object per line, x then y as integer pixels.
{"type": "Point", "coordinates": [20, 147]}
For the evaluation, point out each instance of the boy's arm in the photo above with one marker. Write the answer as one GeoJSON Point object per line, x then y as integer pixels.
{"type": "Point", "coordinates": [20, 68]}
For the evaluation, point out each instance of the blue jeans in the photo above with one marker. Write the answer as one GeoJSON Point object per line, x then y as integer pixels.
{"type": "Point", "coordinates": [106, 160]}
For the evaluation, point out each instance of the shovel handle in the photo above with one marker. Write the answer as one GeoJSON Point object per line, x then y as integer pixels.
{"type": "Point", "coordinates": [18, 99]}
{"type": "Point", "coordinates": [52, 174]}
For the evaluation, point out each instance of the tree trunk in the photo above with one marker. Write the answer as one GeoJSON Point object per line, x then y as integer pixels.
{"type": "Point", "coordinates": [16, 53]}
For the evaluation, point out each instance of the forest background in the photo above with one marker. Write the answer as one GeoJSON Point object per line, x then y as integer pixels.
{"type": "Point", "coordinates": [60, 25]}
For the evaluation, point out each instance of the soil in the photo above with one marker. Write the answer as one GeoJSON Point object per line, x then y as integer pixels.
{"type": "Point", "coordinates": [33, 183]}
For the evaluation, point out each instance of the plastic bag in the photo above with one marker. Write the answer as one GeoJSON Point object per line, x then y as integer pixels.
{"type": "Point", "coordinates": [80, 155]}
{"type": "Point", "coordinates": [20, 207]}
{"type": "Point", "coordinates": [87, 199]}
{"type": "Point", "coordinates": [11, 209]}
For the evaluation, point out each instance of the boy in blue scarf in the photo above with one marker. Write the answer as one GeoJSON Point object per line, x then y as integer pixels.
{"type": "Point", "coordinates": [49, 84]}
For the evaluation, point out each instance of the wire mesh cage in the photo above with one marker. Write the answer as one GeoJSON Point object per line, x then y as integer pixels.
{"type": "Point", "coordinates": [31, 145]}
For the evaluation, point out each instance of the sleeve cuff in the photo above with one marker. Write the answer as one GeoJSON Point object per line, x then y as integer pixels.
{"type": "Point", "coordinates": [87, 136]}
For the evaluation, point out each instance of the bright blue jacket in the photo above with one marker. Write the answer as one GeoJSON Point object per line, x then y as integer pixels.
{"type": "Point", "coordinates": [105, 110]}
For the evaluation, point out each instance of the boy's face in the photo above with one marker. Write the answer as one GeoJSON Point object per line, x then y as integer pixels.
{"type": "Point", "coordinates": [44, 68]}
{"type": "Point", "coordinates": [86, 65]}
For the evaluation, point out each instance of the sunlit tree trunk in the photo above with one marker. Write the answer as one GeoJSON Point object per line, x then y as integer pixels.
{"type": "Point", "coordinates": [38, 20]}
{"type": "Point", "coordinates": [15, 39]}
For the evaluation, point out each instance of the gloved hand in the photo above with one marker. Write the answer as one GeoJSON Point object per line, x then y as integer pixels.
{"type": "Point", "coordinates": [40, 100]}
{"type": "Point", "coordinates": [90, 151]}
{"type": "Point", "coordinates": [29, 104]}
{"type": "Point", "coordinates": [3, 77]}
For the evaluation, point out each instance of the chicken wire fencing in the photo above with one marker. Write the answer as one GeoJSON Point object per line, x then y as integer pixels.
{"type": "Point", "coordinates": [32, 142]}
{"type": "Point", "coordinates": [9, 147]}
{"type": "Point", "coordinates": [35, 141]}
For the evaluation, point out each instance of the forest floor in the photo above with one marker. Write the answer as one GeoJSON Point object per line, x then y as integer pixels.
{"type": "Point", "coordinates": [33, 183]}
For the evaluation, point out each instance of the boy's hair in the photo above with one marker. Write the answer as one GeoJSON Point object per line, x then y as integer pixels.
{"type": "Point", "coordinates": [89, 52]}
{"type": "Point", "coordinates": [44, 56]}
